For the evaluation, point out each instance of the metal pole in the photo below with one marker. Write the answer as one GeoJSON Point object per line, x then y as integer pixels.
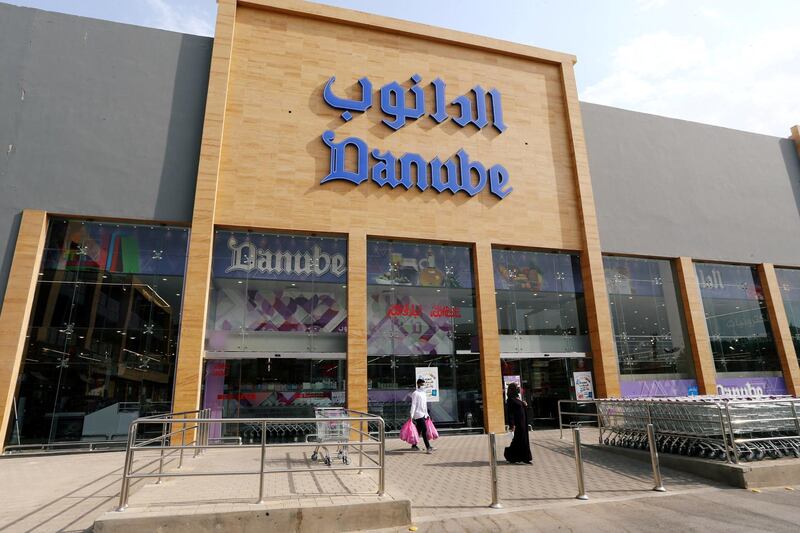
{"type": "Point", "coordinates": [263, 459]}
{"type": "Point", "coordinates": [651, 441]}
{"type": "Point", "coordinates": [733, 437]}
{"type": "Point", "coordinates": [126, 481]}
{"type": "Point", "coordinates": [183, 436]}
{"type": "Point", "coordinates": [724, 437]}
{"type": "Point", "coordinates": [560, 423]}
{"type": "Point", "coordinates": [382, 456]}
{"type": "Point", "coordinates": [493, 467]}
{"type": "Point", "coordinates": [161, 461]}
{"type": "Point", "coordinates": [361, 440]}
{"type": "Point", "coordinates": [576, 440]}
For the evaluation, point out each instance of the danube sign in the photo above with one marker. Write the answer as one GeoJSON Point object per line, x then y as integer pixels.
{"type": "Point", "coordinates": [457, 174]}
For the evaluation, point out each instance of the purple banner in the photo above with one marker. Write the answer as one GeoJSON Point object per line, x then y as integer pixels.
{"type": "Point", "coordinates": [766, 386]}
{"type": "Point", "coordinates": [658, 387]}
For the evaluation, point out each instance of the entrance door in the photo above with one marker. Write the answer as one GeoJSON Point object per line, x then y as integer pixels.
{"type": "Point", "coordinates": [545, 381]}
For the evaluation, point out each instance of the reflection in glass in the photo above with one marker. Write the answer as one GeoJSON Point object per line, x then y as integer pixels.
{"type": "Point", "coordinates": [540, 302]}
{"type": "Point", "coordinates": [103, 331]}
{"type": "Point", "coordinates": [738, 324]}
{"type": "Point", "coordinates": [789, 282]}
{"type": "Point", "coordinates": [421, 313]}
{"type": "Point", "coordinates": [648, 323]}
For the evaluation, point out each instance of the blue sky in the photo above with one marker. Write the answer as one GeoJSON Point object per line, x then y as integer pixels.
{"type": "Point", "coordinates": [733, 63]}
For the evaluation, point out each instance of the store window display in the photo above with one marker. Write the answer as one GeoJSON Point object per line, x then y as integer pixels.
{"type": "Point", "coordinates": [276, 335]}
{"type": "Point", "coordinates": [102, 341]}
{"type": "Point", "coordinates": [421, 314]}
{"type": "Point", "coordinates": [649, 328]}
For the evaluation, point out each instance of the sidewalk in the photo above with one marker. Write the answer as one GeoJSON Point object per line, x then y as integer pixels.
{"type": "Point", "coordinates": [68, 492]}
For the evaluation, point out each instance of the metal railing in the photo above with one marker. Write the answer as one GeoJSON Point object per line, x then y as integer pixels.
{"type": "Point", "coordinates": [562, 413]}
{"type": "Point", "coordinates": [191, 431]}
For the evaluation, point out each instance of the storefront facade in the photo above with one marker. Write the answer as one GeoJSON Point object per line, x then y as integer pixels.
{"type": "Point", "coordinates": [375, 201]}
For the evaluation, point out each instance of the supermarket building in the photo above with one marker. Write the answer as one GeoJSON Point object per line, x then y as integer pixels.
{"type": "Point", "coordinates": [318, 206]}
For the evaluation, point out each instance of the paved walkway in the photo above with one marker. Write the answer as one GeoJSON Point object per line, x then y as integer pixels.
{"type": "Point", "coordinates": [66, 493]}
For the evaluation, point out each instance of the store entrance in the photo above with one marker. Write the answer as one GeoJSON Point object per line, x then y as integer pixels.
{"type": "Point", "coordinates": [545, 381]}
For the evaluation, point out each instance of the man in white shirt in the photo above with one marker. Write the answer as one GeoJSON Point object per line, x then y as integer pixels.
{"type": "Point", "coordinates": [419, 413]}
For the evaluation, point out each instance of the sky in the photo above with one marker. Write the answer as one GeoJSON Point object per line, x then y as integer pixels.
{"type": "Point", "coordinates": [732, 63]}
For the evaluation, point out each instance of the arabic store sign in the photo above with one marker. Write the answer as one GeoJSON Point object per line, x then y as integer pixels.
{"type": "Point", "coordinates": [456, 174]}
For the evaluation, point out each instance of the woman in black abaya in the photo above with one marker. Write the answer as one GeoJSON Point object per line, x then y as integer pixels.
{"type": "Point", "coordinates": [520, 449]}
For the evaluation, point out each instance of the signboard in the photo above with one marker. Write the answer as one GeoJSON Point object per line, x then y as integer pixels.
{"type": "Point", "coordinates": [507, 380]}
{"type": "Point", "coordinates": [458, 173]}
{"type": "Point", "coordinates": [584, 388]}
{"type": "Point", "coordinates": [766, 386]}
{"type": "Point", "coordinates": [653, 388]}
{"type": "Point", "coordinates": [431, 376]}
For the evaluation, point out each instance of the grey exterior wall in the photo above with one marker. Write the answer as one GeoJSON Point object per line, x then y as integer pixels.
{"type": "Point", "coordinates": [96, 119]}
{"type": "Point", "coordinates": [670, 188]}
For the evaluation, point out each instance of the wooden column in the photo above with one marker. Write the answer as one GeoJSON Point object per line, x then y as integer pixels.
{"type": "Point", "coordinates": [17, 305]}
{"type": "Point", "coordinates": [598, 312]}
{"type": "Point", "coordinates": [796, 137]}
{"type": "Point", "coordinates": [486, 317]}
{"type": "Point", "coordinates": [188, 374]}
{"type": "Point", "coordinates": [357, 321]}
{"type": "Point", "coordinates": [779, 324]}
{"type": "Point", "coordinates": [697, 327]}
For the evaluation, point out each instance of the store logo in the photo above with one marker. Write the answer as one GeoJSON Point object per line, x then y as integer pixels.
{"type": "Point", "coordinates": [712, 281]}
{"type": "Point", "coordinates": [456, 174]}
{"type": "Point", "coordinates": [411, 310]}
{"type": "Point", "coordinates": [746, 390]}
{"type": "Point", "coordinates": [245, 257]}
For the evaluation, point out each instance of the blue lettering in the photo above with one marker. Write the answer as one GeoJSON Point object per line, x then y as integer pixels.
{"type": "Point", "coordinates": [406, 162]}
{"type": "Point", "coordinates": [345, 103]}
{"type": "Point", "coordinates": [498, 181]}
{"type": "Point", "coordinates": [466, 168]}
{"type": "Point", "coordinates": [338, 155]}
{"type": "Point", "coordinates": [384, 172]}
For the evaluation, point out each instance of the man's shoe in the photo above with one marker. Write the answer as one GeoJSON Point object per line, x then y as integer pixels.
{"type": "Point", "coordinates": [429, 451]}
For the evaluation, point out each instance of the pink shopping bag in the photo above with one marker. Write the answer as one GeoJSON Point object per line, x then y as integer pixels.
{"type": "Point", "coordinates": [409, 433]}
{"type": "Point", "coordinates": [432, 433]}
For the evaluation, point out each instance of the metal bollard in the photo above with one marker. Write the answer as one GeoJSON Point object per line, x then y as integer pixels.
{"type": "Point", "coordinates": [576, 440]}
{"type": "Point", "coordinates": [651, 441]}
{"type": "Point", "coordinates": [493, 466]}
{"type": "Point", "coordinates": [263, 460]}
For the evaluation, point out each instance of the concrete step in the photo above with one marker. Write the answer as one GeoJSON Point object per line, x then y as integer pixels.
{"type": "Point", "coordinates": [381, 513]}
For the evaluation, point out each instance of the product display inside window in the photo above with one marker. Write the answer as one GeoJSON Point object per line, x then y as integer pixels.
{"type": "Point", "coordinates": [274, 387]}
{"type": "Point", "coordinates": [276, 336]}
{"type": "Point", "coordinates": [738, 325]}
{"type": "Point", "coordinates": [789, 283]}
{"type": "Point", "coordinates": [649, 329]}
{"type": "Point", "coordinates": [540, 303]}
{"type": "Point", "coordinates": [101, 346]}
{"type": "Point", "coordinates": [421, 313]}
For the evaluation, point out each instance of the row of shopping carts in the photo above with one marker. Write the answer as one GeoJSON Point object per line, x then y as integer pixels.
{"type": "Point", "coordinates": [711, 427]}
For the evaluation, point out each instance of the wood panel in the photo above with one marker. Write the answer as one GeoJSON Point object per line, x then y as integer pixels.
{"type": "Point", "coordinates": [273, 156]}
{"type": "Point", "coordinates": [488, 331]}
{"type": "Point", "coordinates": [796, 138]}
{"type": "Point", "coordinates": [780, 327]}
{"type": "Point", "coordinates": [357, 321]}
{"type": "Point", "coordinates": [188, 374]}
{"type": "Point", "coordinates": [598, 311]}
{"type": "Point", "coordinates": [696, 326]}
{"type": "Point", "coordinates": [17, 305]}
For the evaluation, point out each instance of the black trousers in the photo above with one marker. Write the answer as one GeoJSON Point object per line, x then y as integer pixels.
{"type": "Point", "coordinates": [422, 429]}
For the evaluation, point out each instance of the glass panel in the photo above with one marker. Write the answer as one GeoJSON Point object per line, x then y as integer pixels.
{"type": "Point", "coordinates": [101, 347]}
{"type": "Point", "coordinates": [738, 324]}
{"type": "Point", "coordinates": [648, 323]}
{"type": "Point", "coordinates": [421, 313]}
{"type": "Point", "coordinates": [789, 281]}
{"type": "Point", "coordinates": [540, 302]}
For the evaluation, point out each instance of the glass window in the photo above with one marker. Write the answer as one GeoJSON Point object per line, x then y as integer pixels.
{"type": "Point", "coordinates": [276, 335]}
{"type": "Point", "coordinates": [789, 281]}
{"type": "Point", "coordinates": [103, 332]}
{"type": "Point", "coordinates": [649, 332]}
{"type": "Point", "coordinates": [421, 313]}
{"type": "Point", "coordinates": [738, 324]}
{"type": "Point", "coordinates": [540, 303]}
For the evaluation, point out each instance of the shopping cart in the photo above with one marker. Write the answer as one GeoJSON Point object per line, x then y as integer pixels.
{"type": "Point", "coordinates": [331, 432]}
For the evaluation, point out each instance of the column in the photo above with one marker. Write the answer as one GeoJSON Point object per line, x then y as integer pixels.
{"type": "Point", "coordinates": [17, 305]}
{"type": "Point", "coordinates": [696, 325]}
{"type": "Point", "coordinates": [357, 321]}
{"type": "Point", "coordinates": [796, 137]}
{"type": "Point", "coordinates": [486, 314]}
{"type": "Point", "coordinates": [779, 324]}
{"type": "Point", "coordinates": [189, 371]}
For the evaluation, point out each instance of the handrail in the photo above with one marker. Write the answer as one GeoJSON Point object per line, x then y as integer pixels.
{"type": "Point", "coordinates": [561, 424]}
{"type": "Point", "coordinates": [351, 436]}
